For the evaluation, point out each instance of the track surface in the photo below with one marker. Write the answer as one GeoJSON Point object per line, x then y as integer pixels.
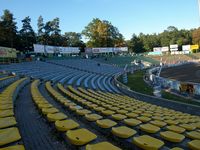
{"type": "Point", "coordinates": [184, 73]}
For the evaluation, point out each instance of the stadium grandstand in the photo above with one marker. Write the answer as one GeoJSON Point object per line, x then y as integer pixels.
{"type": "Point", "coordinates": [98, 89]}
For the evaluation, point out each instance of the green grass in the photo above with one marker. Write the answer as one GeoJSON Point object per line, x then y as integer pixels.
{"type": "Point", "coordinates": [136, 83]}
{"type": "Point", "coordinates": [174, 97]}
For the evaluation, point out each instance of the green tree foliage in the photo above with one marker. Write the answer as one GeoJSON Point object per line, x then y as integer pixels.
{"type": "Point", "coordinates": [196, 36]}
{"type": "Point", "coordinates": [102, 33]}
{"type": "Point", "coordinates": [27, 35]}
{"type": "Point", "coordinates": [8, 30]}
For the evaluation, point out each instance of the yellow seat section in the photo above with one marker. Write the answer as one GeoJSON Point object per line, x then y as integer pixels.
{"type": "Point", "coordinates": [66, 125]}
{"type": "Point", "coordinates": [118, 116]}
{"type": "Point", "coordinates": [158, 123]}
{"type": "Point", "coordinates": [99, 109]}
{"type": "Point", "coordinates": [176, 148]}
{"type": "Point", "coordinates": [107, 112]}
{"type": "Point", "coordinates": [147, 142]}
{"type": "Point", "coordinates": [144, 119]}
{"type": "Point", "coordinates": [171, 122]}
{"type": "Point", "coordinates": [9, 135]}
{"type": "Point", "coordinates": [172, 136]}
{"type": "Point", "coordinates": [56, 117]}
{"type": "Point", "coordinates": [149, 128]}
{"type": "Point", "coordinates": [7, 122]}
{"type": "Point", "coordinates": [188, 127]}
{"type": "Point", "coordinates": [194, 145]}
{"type": "Point", "coordinates": [132, 122]}
{"type": "Point", "coordinates": [75, 107]}
{"type": "Point", "coordinates": [106, 123]}
{"type": "Point", "coordinates": [15, 147]}
{"type": "Point", "coordinates": [123, 132]}
{"type": "Point", "coordinates": [6, 113]}
{"type": "Point", "coordinates": [193, 135]}
{"type": "Point", "coordinates": [93, 117]}
{"type": "Point", "coordinates": [83, 112]}
{"type": "Point", "coordinates": [46, 111]}
{"type": "Point", "coordinates": [6, 106]}
{"type": "Point", "coordinates": [102, 146]}
{"type": "Point", "coordinates": [131, 115]}
{"type": "Point", "coordinates": [121, 111]}
{"type": "Point", "coordinates": [176, 129]}
{"type": "Point", "coordinates": [44, 105]}
{"type": "Point", "coordinates": [80, 136]}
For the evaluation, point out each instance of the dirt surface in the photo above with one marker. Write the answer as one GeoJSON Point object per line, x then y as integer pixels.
{"type": "Point", "coordinates": [184, 73]}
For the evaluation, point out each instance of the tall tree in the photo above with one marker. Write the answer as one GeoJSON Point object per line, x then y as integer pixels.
{"type": "Point", "coordinates": [27, 34]}
{"type": "Point", "coordinates": [101, 34]}
{"type": "Point", "coordinates": [196, 36]}
{"type": "Point", "coordinates": [8, 28]}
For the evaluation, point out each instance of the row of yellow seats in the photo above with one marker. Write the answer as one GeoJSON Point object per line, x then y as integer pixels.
{"type": "Point", "coordinates": [152, 127]}
{"type": "Point", "coordinates": [9, 133]}
{"type": "Point", "coordinates": [76, 136]}
{"type": "Point", "coordinates": [5, 78]}
{"type": "Point", "coordinates": [122, 132]}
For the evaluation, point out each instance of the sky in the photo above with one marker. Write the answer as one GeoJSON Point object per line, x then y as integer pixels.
{"type": "Point", "coordinates": [129, 16]}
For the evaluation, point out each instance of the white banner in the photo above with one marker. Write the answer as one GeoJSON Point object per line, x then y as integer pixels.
{"type": "Point", "coordinates": [186, 47]}
{"type": "Point", "coordinates": [165, 49]}
{"type": "Point", "coordinates": [174, 47]}
{"type": "Point", "coordinates": [157, 49]}
{"type": "Point", "coordinates": [38, 48]}
{"type": "Point", "coordinates": [106, 50]}
{"type": "Point", "coordinates": [55, 49]}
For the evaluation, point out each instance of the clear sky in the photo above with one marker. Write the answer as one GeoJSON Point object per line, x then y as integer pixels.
{"type": "Point", "coordinates": [129, 16]}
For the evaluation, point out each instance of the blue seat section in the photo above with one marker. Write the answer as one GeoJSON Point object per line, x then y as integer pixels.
{"type": "Point", "coordinates": [76, 72]}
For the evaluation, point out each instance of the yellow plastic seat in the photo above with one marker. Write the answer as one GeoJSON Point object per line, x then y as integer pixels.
{"type": "Point", "coordinates": [176, 148]}
{"type": "Point", "coordinates": [83, 112]}
{"type": "Point", "coordinates": [131, 115]}
{"type": "Point", "coordinates": [102, 146]}
{"type": "Point", "coordinates": [6, 106]}
{"type": "Point", "coordinates": [15, 147]}
{"type": "Point", "coordinates": [107, 112]}
{"type": "Point", "coordinates": [188, 127]}
{"type": "Point", "coordinates": [44, 106]}
{"type": "Point", "coordinates": [158, 123]}
{"type": "Point", "coordinates": [46, 111]}
{"type": "Point", "coordinates": [147, 142]}
{"type": "Point", "coordinates": [194, 145]}
{"type": "Point", "coordinates": [172, 136]}
{"type": "Point", "coordinates": [176, 129]}
{"type": "Point", "coordinates": [80, 136]}
{"type": "Point", "coordinates": [9, 135]}
{"type": "Point", "coordinates": [132, 122]}
{"type": "Point", "coordinates": [106, 123]}
{"type": "Point", "coordinates": [158, 118]}
{"type": "Point", "coordinates": [118, 117]}
{"type": "Point", "coordinates": [193, 135]}
{"type": "Point", "coordinates": [75, 107]}
{"type": "Point", "coordinates": [149, 128]}
{"type": "Point", "coordinates": [123, 131]}
{"type": "Point", "coordinates": [122, 111]}
{"type": "Point", "coordinates": [171, 122]}
{"type": "Point", "coordinates": [93, 117]}
{"type": "Point", "coordinates": [99, 109]}
{"type": "Point", "coordinates": [144, 119]}
{"type": "Point", "coordinates": [7, 122]}
{"type": "Point", "coordinates": [56, 117]}
{"type": "Point", "coordinates": [65, 125]}
{"type": "Point", "coordinates": [6, 113]}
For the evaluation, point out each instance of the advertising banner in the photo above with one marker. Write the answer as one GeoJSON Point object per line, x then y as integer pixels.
{"type": "Point", "coordinates": [174, 47]}
{"type": "Point", "coordinates": [194, 47]}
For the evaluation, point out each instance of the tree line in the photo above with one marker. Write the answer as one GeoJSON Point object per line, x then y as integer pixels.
{"type": "Point", "coordinates": [99, 33]}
